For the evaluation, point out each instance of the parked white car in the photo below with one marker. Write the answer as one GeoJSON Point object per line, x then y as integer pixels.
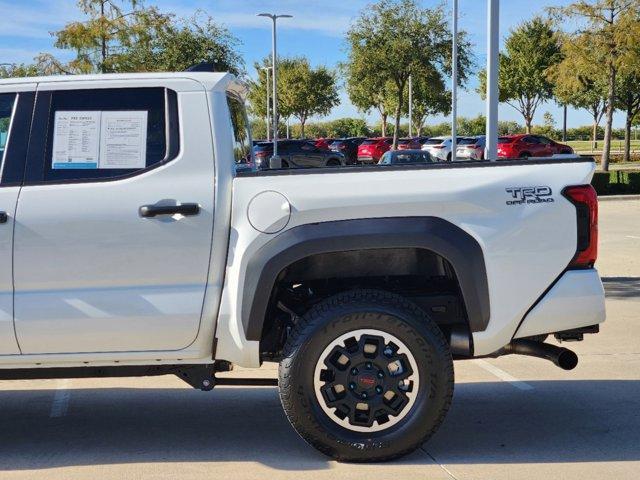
{"type": "Point", "coordinates": [131, 245]}
{"type": "Point", "coordinates": [439, 148]}
{"type": "Point", "coordinates": [471, 148]}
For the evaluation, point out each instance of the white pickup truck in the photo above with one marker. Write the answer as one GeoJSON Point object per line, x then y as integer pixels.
{"type": "Point", "coordinates": [131, 246]}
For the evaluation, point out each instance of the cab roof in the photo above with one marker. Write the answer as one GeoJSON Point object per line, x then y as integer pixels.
{"type": "Point", "coordinates": [210, 80]}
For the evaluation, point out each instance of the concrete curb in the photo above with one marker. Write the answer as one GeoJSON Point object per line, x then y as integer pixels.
{"type": "Point", "coordinates": [610, 198]}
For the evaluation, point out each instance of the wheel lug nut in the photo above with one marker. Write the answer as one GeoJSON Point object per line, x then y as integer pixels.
{"type": "Point", "coordinates": [354, 371]}
{"type": "Point", "coordinates": [352, 386]}
{"type": "Point", "coordinates": [368, 365]}
{"type": "Point", "coordinates": [388, 352]}
{"type": "Point", "coordinates": [378, 389]}
{"type": "Point", "coordinates": [364, 396]}
{"type": "Point", "coordinates": [380, 374]}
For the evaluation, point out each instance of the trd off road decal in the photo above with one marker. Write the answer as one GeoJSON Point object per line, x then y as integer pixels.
{"type": "Point", "coordinates": [528, 195]}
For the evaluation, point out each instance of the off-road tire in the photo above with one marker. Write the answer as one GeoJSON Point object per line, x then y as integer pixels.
{"type": "Point", "coordinates": [344, 313]}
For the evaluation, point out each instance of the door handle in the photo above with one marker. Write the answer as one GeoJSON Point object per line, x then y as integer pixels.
{"type": "Point", "coordinates": [186, 209]}
{"type": "Point", "coordinates": [4, 218]}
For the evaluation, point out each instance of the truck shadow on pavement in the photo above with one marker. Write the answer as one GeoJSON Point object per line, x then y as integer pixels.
{"type": "Point", "coordinates": [491, 422]}
{"type": "Point", "coordinates": [621, 287]}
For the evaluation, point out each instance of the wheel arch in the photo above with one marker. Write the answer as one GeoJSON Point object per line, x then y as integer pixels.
{"type": "Point", "coordinates": [461, 250]}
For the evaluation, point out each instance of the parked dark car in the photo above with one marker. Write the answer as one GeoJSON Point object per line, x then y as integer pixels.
{"type": "Point", "coordinates": [297, 154]}
{"type": "Point", "coordinates": [348, 147]}
{"type": "Point", "coordinates": [405, 157]}
{"type": "Point", "coordinates": [409, 144]}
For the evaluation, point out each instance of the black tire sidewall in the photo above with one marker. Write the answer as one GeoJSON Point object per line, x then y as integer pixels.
{"type": "Point", "coordinates": [435, 370]}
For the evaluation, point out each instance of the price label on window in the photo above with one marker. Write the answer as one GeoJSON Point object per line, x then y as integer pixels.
{"type": "Point", "coordinates": [75, 140]}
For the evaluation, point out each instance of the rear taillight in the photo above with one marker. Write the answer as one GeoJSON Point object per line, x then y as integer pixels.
{"type": "Point", "coordinates": [585, 199]}
{"type": "Point", "coordinates": [438, 147]}
{"type": "Point", "coordinates": [262, 154]}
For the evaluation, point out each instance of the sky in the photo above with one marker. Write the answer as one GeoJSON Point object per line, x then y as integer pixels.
{"type": "Point", "coordinates": [316, 31]}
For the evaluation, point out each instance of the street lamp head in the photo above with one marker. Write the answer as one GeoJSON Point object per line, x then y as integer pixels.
{"type": "Point", "coordinates": [273, 16]}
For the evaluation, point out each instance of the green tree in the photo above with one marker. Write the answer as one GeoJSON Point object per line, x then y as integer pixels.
{"type": "Point", "coordinates": [302, 91]}
{"type": "Point", "coordinates": [347, 127]}
{"type": "Point", "coordinates": [531, 49]}
{"type": "Point", "coordinates": [430, 97]}
{"type": "Point", "coordinates": [509, 127]}
{"type": "Point", "coordinates": [175, 45]}
{"type": "Point", "coordinates": [20, 70]}
{"type": "Point", "coordinates": [126, 36]}
{"type": "Point", "coordinates": [368, 89]}
{"type": "Point", "coordinates": [628, 94]}
{"type": "Point", "coordinates": [472, 126]}
{"type": "Point", "coordinates": [549, 121]}
{"type": "Point", "coordinates": [306, 91]}
{"type": "Point", "coordinates": [394, 39]}
{"type": "Point", "coordinates": [579, 82]}
{"type": "Point", "coordinates": [612, 28]}
{"type": "Point", "coordinates": [111, 27]}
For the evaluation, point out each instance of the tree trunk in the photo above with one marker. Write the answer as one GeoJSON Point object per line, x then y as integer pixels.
{"type": "Point", "coordinates": [396, 126]}
{"type": "Point", "coordinates": [594, 135]}
{"type": "Point", "coordinates": [627, 135]}
{"type": "Point", "coordinates": [384, 124]}
{"type": "Point", "coordinates": [527, 123]}
{"type": "Point", "coordinates": [606, 151]}
{"type": "Point", "coordinates": [302, 122]}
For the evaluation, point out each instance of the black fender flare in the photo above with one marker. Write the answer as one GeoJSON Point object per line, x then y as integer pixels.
{"type": "Point", "coordinates": [431, 233]}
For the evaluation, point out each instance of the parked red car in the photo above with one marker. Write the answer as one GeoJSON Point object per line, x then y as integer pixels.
{"type": "Point", "coordinates": [525, 146]}
{"type": "Point", "coordinates": [372, 149]}
{"type": "Point", "coordinates": [409, 144]}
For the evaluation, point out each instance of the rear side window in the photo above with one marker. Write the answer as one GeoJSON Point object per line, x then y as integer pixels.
{"type": "Point", "coordinates": [434, 141]}
{"type": "Point", "coordinates": [7, 101]}
{"type": "Point", "coordinates": [369, 142]}
{"type": "Point", "coordinates": [241, 131]}
{"type": "Point", "coordinates": [108, 133]}
{"type": "Point", "coordinates": [505, 139]}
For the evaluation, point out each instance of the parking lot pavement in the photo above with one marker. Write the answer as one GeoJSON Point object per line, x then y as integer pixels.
{"type": "Point", "coordinates": [512, 417]}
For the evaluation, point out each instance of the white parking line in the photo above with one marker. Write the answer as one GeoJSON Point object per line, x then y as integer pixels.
{"type": "Point", "coordinates": [502, 375]}
{"type": "Point", "coordinates": [633, 236]}
{"type": "Point", "coordinates": [60, 403]}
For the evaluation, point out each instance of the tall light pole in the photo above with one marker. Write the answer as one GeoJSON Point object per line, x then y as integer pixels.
{"type": "Point", "coordinates": [493, 59]}
{"type": "Point", "coordinates": [267, 69]}
{"type": "Point", "coordinates": [274, 63]}
{"type": "Point", "coordinates": [454, 84]}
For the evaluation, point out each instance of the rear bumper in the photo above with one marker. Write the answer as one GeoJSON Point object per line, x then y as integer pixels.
{"type": "Point", "coordinates": [467, 154]}
{"type": "Point", "coordinates": [440, 154]}
{"type": "Point", "coordinates": [575, 301]}
{"type": "Point", "coordinates": [366, 159]}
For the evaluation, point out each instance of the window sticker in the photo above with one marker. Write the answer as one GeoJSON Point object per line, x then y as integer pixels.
{"type": "Point", "coordinates": [123, 140]}
{"type": "Point", "coordinates": [104, 140]}
{"type": "Point", "coordinates": [75, 140]}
